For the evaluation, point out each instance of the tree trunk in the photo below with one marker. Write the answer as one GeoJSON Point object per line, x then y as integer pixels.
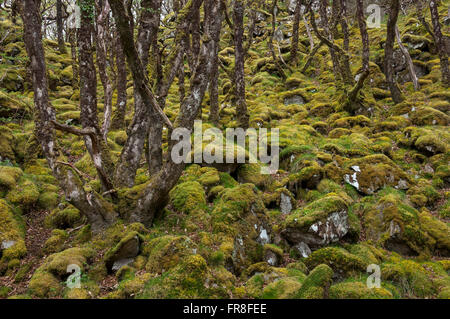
{"type": "Point", "coordinates": [241, 105]}
{"type": "Point", "coordinates": [103, 10]}
{"type": "Point", "coordinates": [214, 82]}
{"type": "Point", "coordinates": [73, 51]}
{"type": "Point", "coordinates": [397, 95]}
{"type": "Point", "coordinates": [96, 146]}
{"type": "Point", "coordinates": [295, 25]}
{"type": "Point", "coordinates": [440, 43]}
{"type": "Point", "coordinates": [118, 120]}
{"type": "Point", "coordinates": [60, 26]}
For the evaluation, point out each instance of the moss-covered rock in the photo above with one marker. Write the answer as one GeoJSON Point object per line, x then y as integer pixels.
{"type": "Point", "coordinates": [371, 173]}
{"type": "Point", "coordinates": [320, 223]}
{"type": "Point", "coordinates": [188, 197]}
{"type": "Point", "coordinates": [339, 259]}
{"type": "Point", "coordinates": [167, 252]}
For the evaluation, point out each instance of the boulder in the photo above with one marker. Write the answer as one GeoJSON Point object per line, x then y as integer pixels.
{"type": "Point", "coordinates": [318, 224]}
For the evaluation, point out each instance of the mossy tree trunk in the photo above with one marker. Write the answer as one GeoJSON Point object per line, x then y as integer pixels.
{"type": "Point", "coordinates": [60, 27]}
{"type": "Point", "coordinates": [295, 25]}
{"type": "Point", "coordinates": [397, 95]}
{"type": "Point", "coordinates": [239, 74]}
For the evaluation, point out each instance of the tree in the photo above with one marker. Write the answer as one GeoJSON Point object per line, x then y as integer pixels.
{"type": "Point", "coordinates": [397, 95]}
{"type": "Point", "coordinates": [103, 10]}
{"type": "Point", "coordinates": [295, 25]}
{"type": "Point", "coordinates": [60, 26]}
{"type": "Point", "coordinates": [98, 210]}
{"type": "Point", "coordinates": [241, 105]}
{"type": "Point", "coordinates": [118, 119]}
{"type": "Point", "coordinates": [440, 43]}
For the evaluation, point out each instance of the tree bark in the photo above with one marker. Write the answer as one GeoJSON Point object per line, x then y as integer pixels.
{"type": "Point", "coordinates": [397, 95]}
{"type": "Point", "coordinates": [295, 25]}
{"type": "Point", "coordinates": [118, 120]}
{"type": "Point", "coordinates": [96, 146]}
{"type": "Point", "coordinates": [103, 10]}
{"type": "Point", "coordinates": [440, 43]}
{"type": "Point", "coordinates": [60, 27]}
{"type": "Point", "coordinates": [241, 105]}
{"type": "Point", "coordinates": [147, 109]}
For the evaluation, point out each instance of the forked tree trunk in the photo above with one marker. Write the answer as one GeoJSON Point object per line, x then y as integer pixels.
{"type": "Point", "coordinates": [98, 211]}
{"type": "Point", "coordinates": [397, 95]}
{"type": "Point", "coordinates": [440, 43]}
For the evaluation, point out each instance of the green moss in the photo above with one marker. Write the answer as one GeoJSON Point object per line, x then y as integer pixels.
{"type": "Point", "coordinates": [316, 283]}
{"type": "Point", "coordinates": [47, 279]}
{"type": "Point", "coordinates": [11, 235]}
{"type": "Point", "coordinates": [6, 143]}
{"type": "Point", "coordinates": [166, 252]}
{"type": "Point", "coordinates": [339, 259]}
{"type": "Point", "coordinates": [414, 279]}
{"type": "Point", "coordinates": [188, 197]}
{"type": "Point", "coordinates": [318, 210]}
{"type": "Point", "coordinates": [25, 193]}
{"type": "Point", "coordinates": [68, 217]}
{"type": "Point", "coordinates": [9, 176]}
{"type": "Point", "coordinates": [357, 290]}
{"type": "Point", "coordinates": [186, 280]}
{"type": "Point", "coordinates": [56, 241]}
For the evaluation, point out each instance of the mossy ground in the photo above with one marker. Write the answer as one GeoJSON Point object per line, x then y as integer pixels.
{"type": "Point", "coordinates": [387, 169]}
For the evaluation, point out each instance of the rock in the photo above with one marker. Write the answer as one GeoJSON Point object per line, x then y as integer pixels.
{"type": "Point", "coordinates": [371, 173]}
{"type": "Point", "coordinates": [285, 204]}
{"type": "Point", "coordinates": [295, 99]}
{"type": "Point", "coordinates": [320, 223]}
{"type": "Point", "coordinates": [127, 248]}
{"type": "Point", "coordinates": [7, 244]}
{"type": "Point", "coordinates": [122, 262]}
{"type": "Point", "coordinates": [303, 249]}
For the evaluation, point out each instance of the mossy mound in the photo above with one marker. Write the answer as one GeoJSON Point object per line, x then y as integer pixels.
{"type": "Point", "coordinates": [339, 259]}
{"type": "Point", "coordinates": [48, 279]}
{"type": "Point", "coordinates": [167, 252]}
{"type": "Point", "coordinates": [188, 197]}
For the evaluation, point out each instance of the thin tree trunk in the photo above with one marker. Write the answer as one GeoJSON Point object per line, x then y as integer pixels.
{"type": "Point", "coordinates": [295, 25]}
{"type": "Point", "coordinates": [397, 95]}
{"type": "Point", "coordinates": [88, 98]}
{"type": "Point", "coordinates": [440, 43]}
{"type": "Point", "coordinates": [103, 9]}
{"type": "Point", "coordinates": [241, 105]}
{"type": "Point", "coordinates": [412, 71]}
{"type": "Point", "coordinates": [214, 82]}
{"type": "Point", "coordinates": [118, 120]}
{"type": "Point", "coordinates": [60, 26]}
{"type": "Point", "coordinates": [73, 51]}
